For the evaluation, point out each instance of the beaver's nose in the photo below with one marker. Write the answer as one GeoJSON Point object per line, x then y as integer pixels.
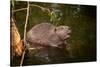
{"type": "Point", "coordinates": [67, 27]}
{"type": "Point", "coordinates": [69, 31]}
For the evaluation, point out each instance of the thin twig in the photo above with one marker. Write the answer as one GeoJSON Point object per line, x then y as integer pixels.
{"type": "Point", "coordinates": [22, 58]}
{"type": "Point", "coordinates": [25, 33]}
{"type": "Point", "coordinates": [26, 23]}
{"type": "Point", "coordinates": [42, 8]}
{"type": "Point", "coordinates": [19, 9]}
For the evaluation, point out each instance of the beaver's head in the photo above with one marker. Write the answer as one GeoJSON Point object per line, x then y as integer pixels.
{"type": "Point", "coordinates": [63, 32]}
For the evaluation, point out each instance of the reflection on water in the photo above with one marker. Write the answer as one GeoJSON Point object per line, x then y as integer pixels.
{"type": "Point", "coordinates": [81, 19]}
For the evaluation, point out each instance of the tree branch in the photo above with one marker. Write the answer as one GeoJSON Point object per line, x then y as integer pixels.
{"type": "Point", "coordinates": [25, 33]}
{"type": "Point", "coordinates": [42, 8]}
{"type": "Point", "coordinates": [19, 9]}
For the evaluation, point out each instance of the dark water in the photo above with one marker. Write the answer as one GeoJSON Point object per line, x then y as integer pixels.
{"type": "Point", "coordinates": [80, 18]}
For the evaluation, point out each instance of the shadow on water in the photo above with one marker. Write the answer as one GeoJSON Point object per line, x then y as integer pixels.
{"type": "Point", "coordinates": [81, 19]}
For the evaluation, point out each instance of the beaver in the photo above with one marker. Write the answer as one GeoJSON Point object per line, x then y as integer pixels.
{"type": "Point", "coordinates": [46, 34]}
{"type": "Point", "coordinates": [49, 43]}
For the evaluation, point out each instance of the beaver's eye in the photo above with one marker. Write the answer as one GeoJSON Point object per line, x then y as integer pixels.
{"type": "Point", "coordinates": [63, 28]}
